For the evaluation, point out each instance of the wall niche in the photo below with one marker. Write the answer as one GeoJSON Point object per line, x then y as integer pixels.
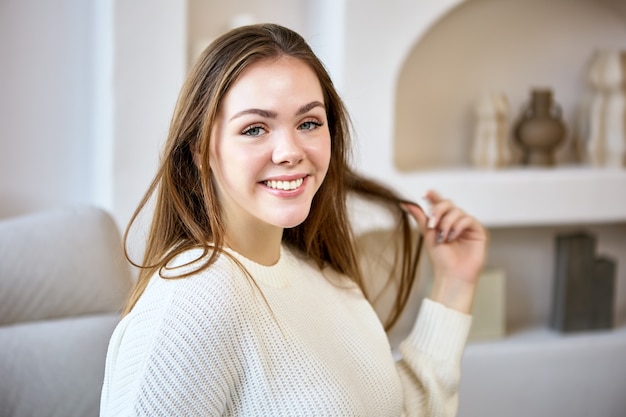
{"type": "Point", "coordinates": [502, 46]}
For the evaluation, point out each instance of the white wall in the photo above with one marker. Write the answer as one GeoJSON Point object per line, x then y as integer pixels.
{"type": "Point", "coordinates": [379, 36]}
{"type": "Point", "coordinates": [45, 104]}
{"type": "Point", "coordinates": [88, 88]}
{"type": "Point", "coordinates": [210, 18]}
{"type": "Point", "coordinates": [150, 38]}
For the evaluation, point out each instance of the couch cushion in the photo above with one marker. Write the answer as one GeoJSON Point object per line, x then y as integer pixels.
{"type": "Point", "coordinates": [54, 368]}
{"type": "Point", "coordinates": [61, 263]}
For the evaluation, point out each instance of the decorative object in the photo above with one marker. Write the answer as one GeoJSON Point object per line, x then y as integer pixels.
{"type": "Point", "coordinates": [540, 130]}
{"type": "Point", "coordinates": [584, 285]}
{"type": "Point", "coordinates": [605, 138]}
{"type": "Point", "coordinates": [489, 309]}
{"type": "Point", "coordinates": [490, 147]}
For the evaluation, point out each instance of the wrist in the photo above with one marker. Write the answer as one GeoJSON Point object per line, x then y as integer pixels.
{"type": "Point", "coordinates": [454, 293]}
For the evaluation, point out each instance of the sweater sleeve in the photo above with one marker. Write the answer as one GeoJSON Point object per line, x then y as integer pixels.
{"type": "Point", "coordinates": [189, 363]}
{"type": "Point", "coordinates": [431, 361]}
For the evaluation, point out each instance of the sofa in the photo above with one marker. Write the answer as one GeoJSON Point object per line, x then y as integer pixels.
{"type": "Point", "coordinates": [63, 282]}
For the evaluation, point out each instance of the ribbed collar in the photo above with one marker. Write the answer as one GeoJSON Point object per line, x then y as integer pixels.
{"type": "Point", "coordinates": [279, 275]}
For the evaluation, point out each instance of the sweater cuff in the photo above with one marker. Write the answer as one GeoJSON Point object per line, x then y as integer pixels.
{"type": "Point", "coordinates": [439, 332]}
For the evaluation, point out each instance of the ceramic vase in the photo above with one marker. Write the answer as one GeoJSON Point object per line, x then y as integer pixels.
{"type": "Point", "coordinates": [605, 139]}
{"type": "Point", "coordinates": [539, 130]}
{"type": "Point", "coordinates": [490, 143]}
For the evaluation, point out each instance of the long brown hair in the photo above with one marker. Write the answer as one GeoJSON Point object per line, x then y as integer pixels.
{"type": "Point", "coordinates": [187, 211]}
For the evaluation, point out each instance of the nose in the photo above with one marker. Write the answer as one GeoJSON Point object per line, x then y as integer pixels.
{"type": "Point", "coordinates": [287, 149]}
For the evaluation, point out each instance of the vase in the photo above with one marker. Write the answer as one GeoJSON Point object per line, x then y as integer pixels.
{"type": "Point", "coordinates": [605, 142]}
{"type": "Point", "coordinates": [539, 129]}
{"type": "Point", "coordinates": [490, 143]}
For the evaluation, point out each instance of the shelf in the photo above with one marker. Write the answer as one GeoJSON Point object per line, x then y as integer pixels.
{"type": "Point", "coordinates": [528, 196]}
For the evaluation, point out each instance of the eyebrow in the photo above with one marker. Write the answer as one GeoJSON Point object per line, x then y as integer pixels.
{"type": "Point", "coordinates": [272, 114]}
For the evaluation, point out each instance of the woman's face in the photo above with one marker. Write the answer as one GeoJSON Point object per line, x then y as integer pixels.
{"type": "Point", "coordinates": [270, 147]}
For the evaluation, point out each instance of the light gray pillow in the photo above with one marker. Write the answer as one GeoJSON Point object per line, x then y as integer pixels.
{"type": "Point", "coordinates": [61, 263]}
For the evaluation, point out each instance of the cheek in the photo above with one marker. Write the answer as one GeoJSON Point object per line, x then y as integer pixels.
{"type": "Point", "coordinates": [240, 166]}
{"type": "Point", "coordinates": [220, 172]}
{"type": "Point", "coordinates": [324, 155]}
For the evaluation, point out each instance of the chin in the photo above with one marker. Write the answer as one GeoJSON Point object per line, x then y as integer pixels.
{"type": "Point", "coordinates": [292, 224]}
{"type": "Point", "coordinates": [292, 220]}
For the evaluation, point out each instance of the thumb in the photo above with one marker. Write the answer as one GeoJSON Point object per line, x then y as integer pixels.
{"type": "Point", "coordinates": [417, 213]}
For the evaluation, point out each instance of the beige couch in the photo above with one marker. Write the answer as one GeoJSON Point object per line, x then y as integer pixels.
{"type": "Point", "coordinates": [63, 281]}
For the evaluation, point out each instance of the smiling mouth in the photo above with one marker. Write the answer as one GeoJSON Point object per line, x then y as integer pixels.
{"type": "Point", "coordinates": [284, 185]}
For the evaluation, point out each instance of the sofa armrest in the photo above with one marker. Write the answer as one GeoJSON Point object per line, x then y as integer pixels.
{"type": "Point", "coordinates": [61, 263]}
{"type": "Point", "coordinates": [54, 368]}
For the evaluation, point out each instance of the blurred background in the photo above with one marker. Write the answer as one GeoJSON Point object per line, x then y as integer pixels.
{"type": "Point", "coordinates": [87, 89]}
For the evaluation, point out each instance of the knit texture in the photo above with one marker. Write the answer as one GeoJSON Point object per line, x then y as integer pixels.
{"type": "Point", "coordinates": [295, 342]}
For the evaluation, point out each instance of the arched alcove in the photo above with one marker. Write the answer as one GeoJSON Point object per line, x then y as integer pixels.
{"type": "Point", "coordinates": [503, 46]}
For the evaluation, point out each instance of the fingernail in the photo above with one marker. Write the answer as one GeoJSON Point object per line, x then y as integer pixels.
{"type": "Point", "coordinates": [432, 222]}
{"type": "Point", "coordinates": [450, 235]}
{"type": "Point", "coordinates": [440, 236]}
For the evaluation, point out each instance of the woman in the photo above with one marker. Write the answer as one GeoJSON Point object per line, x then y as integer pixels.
{"type": "Point", "coordinates": [250, 300]}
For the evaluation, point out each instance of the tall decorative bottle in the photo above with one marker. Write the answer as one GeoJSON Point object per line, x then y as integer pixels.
{"type": "Point", "coordinates": [606, 119]}
{"type": "Point", "coordinates": [490, 143]}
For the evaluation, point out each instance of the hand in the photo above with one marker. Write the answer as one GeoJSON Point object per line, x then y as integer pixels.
{"type": "Point", "coordinates": [456, 245]}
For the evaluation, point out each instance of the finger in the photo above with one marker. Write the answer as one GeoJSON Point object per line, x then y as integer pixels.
{"type": "Point", "coordinates": [417, 213]}
{"type": "Point", "coordinates": [459, 228]}
{"type": "Point", "coordinates": [448, 224]}
{"type": "Point", "coordinates": [433, 196]}
{"type": "Point", "coordinates": [438, 211]}
{"type": "Point", "coordinates": [467, 227]}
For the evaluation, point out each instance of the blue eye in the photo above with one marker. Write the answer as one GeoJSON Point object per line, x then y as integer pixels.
{"type": "Point", "coordinates": [309, 125]}
{"type": "Point", "coordinates": [254, 131]}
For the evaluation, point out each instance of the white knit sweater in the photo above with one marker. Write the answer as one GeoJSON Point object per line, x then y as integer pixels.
{"type": "Point", "coordinates": [310, 345]}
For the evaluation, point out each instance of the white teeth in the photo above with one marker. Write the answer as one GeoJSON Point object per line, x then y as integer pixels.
{"type": "Point", "coordinates": [285, 185]}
